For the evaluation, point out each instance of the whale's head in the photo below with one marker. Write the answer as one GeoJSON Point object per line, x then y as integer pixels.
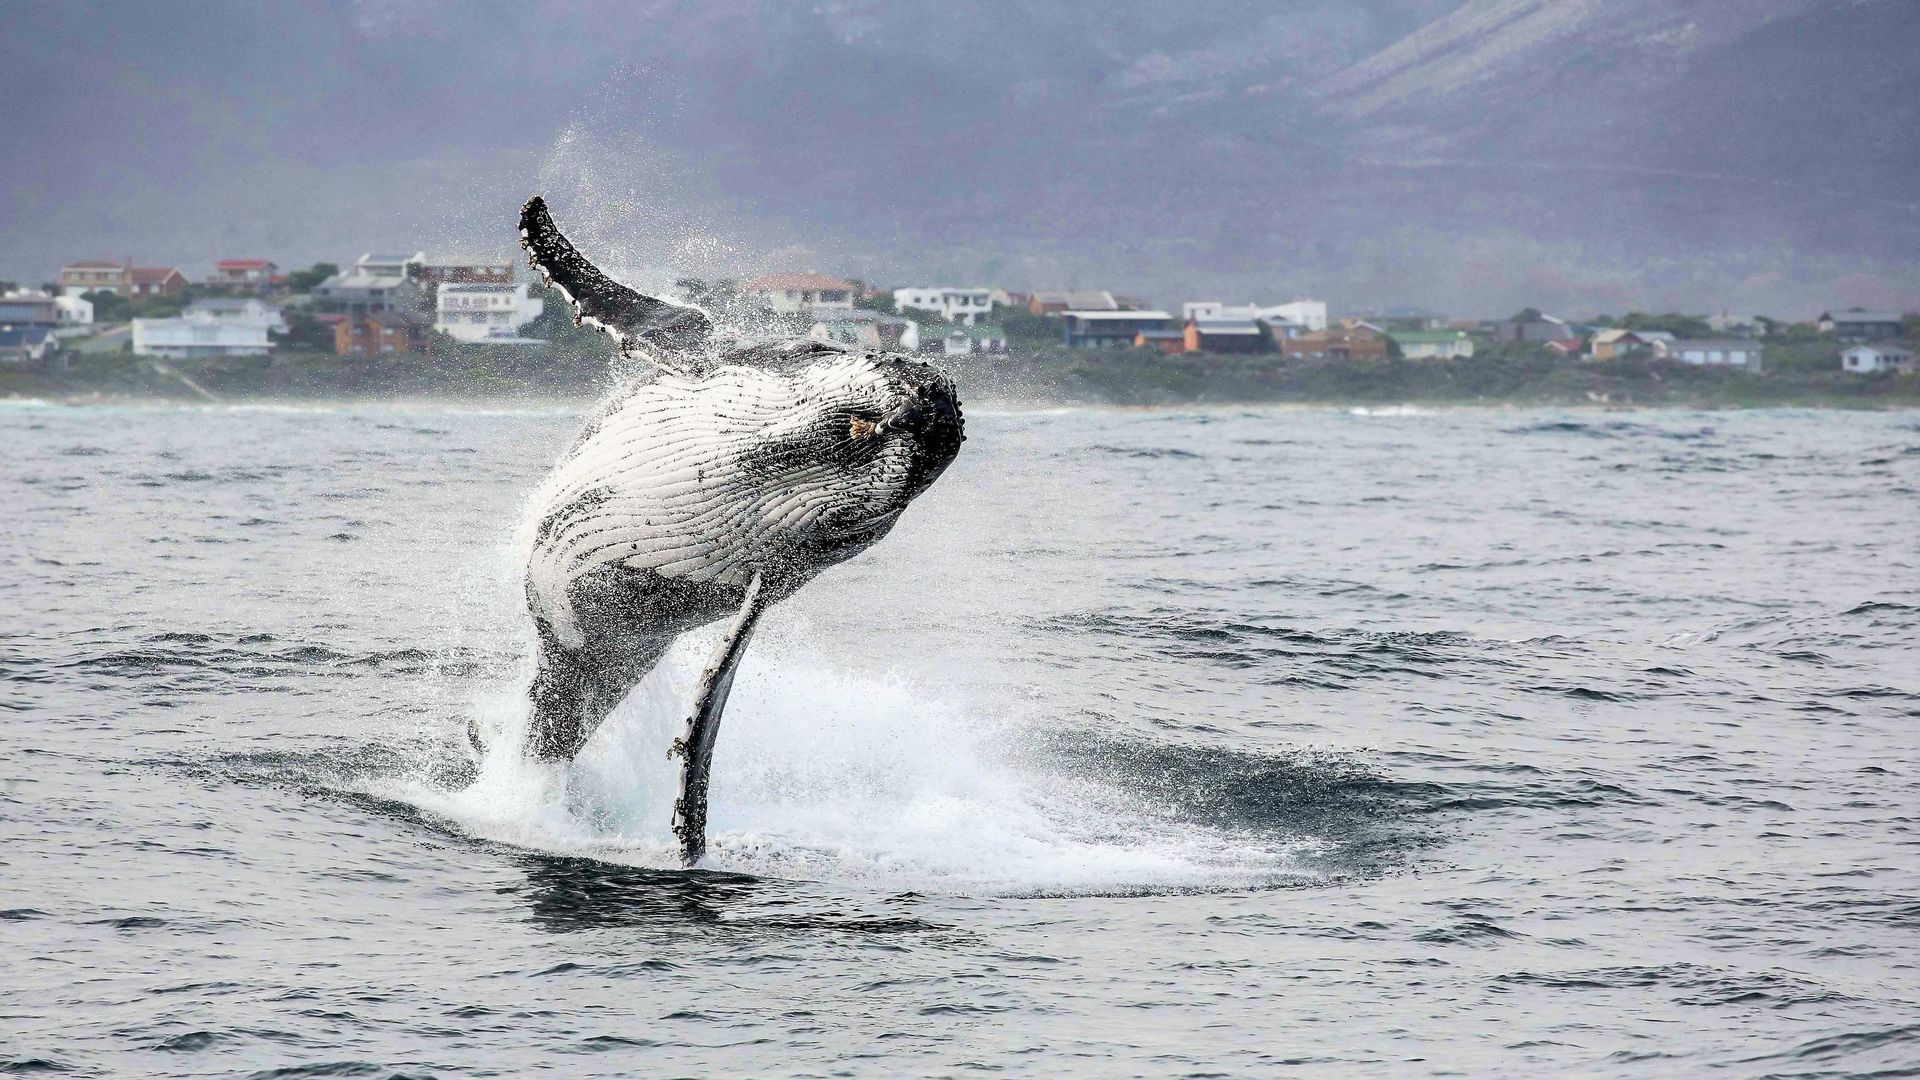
{"type": "Point", "coordinates": [864, 435]}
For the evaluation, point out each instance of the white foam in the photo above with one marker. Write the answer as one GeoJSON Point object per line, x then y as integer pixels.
{"type": "Point", "coordinates": [834, 776]}
{"type": "Point", "coordinates": [1389, 410]}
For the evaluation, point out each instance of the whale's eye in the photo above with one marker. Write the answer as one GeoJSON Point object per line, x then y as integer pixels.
{"type": "Point", "coordinates": [859, 428]}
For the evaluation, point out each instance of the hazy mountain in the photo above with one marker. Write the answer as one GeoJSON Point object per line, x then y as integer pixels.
{"type": "Point", "coordinates": [1472, 157]}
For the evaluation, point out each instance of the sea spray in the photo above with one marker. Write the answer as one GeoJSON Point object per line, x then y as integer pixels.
{"type": "Point", "coordinates": [834, 775]}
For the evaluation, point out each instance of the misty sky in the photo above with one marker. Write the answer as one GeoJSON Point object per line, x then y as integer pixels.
{"type": "Point", "coordinates": [1468, 156]}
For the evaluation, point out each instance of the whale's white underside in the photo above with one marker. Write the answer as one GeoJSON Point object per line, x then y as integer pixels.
{"type": "Point", "coordinates": [706, 480]}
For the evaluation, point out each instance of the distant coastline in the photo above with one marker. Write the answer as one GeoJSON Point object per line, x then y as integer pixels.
{"type": "Point", "coordinates": [1029, 376]}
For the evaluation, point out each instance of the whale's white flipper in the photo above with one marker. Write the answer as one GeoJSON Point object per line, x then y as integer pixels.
{"type": "Point", "coordinates": [703, 727]}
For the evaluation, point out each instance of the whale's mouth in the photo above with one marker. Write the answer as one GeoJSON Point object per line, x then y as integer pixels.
{"type": "Point", "coordinates": [922, 413]}
{"type": "Point", "coordinates": [924, 409]}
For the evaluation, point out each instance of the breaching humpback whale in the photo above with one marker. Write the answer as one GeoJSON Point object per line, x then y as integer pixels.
{"type": "Point", "coordinates": [719, 486]}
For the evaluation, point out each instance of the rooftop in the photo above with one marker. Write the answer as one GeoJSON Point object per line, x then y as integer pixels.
{"type": "Point", "coordinates": [1077, 299]}
{"type": "Point", "coordinates": [467, 260]}
{"type": "Point", "coordinates": [1091, 316]}
{"type": "Point", "coordinates": [242, 264]}
{"type": "Point", "coordinates": [1428, 337]}
{"type": "Point", "coordinates": [391, 318]}
{"type": "Point", "coordinates": [154, 275]}
{"type": "Point", "coordinates": [361, 279]}
{"type": "Point", "coordinates": [1226, 326]}
{"type": "Point", "coordinates": [802, 282]}
{"type": "Point", "coordinates": [1863, 316]}
{"type": "Point", "coordinates": [858, 315]}
{"type": "Point", "coordinates": [1714, 343]}
{"type": "Point", "coordinates": [214, 303]}
{"type": "Point", "coordinates": [16, 336]}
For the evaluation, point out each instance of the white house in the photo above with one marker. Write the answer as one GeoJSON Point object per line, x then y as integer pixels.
{"type": "Point", "coordinates": [1432, 344]}
{"type": "Point", "coordinates": [198, 335]}
{"type": "Point", "coordinates": [1310, 316]}
{"type": "Point", "coordinates": [1737, 326]}
{"type": "Point", "coordinates": [866, 330]}
{"type": "Point", "coordinates": [477, 311]}
{"type": "Point", "coordinates": [963, 307]}
{"type": "Point", "coordinates": [1730, 353]}
{"type": "Point", "coordinates": [961, 341]}
{"type": "Point", "coordinates": [74, 310]}
{"type": "Point", "coordinates": [800, 293]}
{"type": "Point", "coordinates": [1868, 359]}
{"type": "Point", "coordinates": [240, 311]}
{"type": "Point", "coordinates": [376, 283]}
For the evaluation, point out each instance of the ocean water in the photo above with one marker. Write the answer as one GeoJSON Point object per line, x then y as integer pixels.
{"type": "Point", "coordinates": [1202, 743]}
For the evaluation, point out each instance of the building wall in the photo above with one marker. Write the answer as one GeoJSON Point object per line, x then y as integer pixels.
{"type": "Point", "coordinates": [1437, 350]}
{"type": "Point", "coordinates": [77, 280]}
{"type": "Point", "coordinates": [1079, 333]}
{"type": "Point", "coordinates": [1311, 314]}
{"type": "Point", "coordinates": [184, 338]}
{"type": "Point", "coordinates": [371, 337]}
{"type": "Point", "coordinates": [1337, 345]}
{"type": "Point", "coordinates": [432, 274]}
{"type": "Point", "coordinates": [1864, 359]}
{"type": "Point", "coordinates": [165, 285]}
{"type": "Point", "coordinates": [792, 301]}
{"type": "Point", "coordinates": [474, 312]}
{"type": "Point", "coordinates": [254, 279]}
{"type": "Point", "coordinates": [73, 311]}
{"type": "Point", "coordinates": [256, 312]}
{"type": "Point", "coordinates": [29, 310]}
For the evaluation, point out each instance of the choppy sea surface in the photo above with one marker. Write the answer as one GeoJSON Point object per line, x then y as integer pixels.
{"type": "Point", "coordinates": [1205, 743]}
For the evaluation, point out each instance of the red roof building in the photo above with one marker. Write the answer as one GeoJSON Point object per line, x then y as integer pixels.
{"type": "Point", "coordinates": [156, 280]}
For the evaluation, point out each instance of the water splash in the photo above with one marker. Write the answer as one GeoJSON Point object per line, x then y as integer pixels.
{"type": "Point", "coordinates": [829, 775]}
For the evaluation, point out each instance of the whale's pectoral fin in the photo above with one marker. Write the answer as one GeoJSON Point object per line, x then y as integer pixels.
{"type": "Point", "coordinates": [631, 317]}
{"type": "Point", "coordinates": [703, 727]}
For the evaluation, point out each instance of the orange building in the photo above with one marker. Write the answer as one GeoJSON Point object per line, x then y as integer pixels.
{"type": "Point", "coordinates": [377, 333]}
{"type": "Point", "coordinates": [1361, 341]}
{"type": "Point", "coordinates": [156, 280]}
{"type": "Point", "coordinates": [1207, 336]}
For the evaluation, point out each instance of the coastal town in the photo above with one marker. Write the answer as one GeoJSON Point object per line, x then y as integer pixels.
{"type": "Point", "coordinates": [421, 304]}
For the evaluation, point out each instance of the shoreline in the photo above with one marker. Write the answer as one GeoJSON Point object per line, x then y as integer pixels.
{"type": "Point", "coordinates": [1040, 378]}
{"type": "Point", "coordinates": [986, 406]}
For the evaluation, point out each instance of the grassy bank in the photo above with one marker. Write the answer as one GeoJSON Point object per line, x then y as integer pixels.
{"type": "Point", "coordinates": [1034, 374]}
{"type": "Point", "coordinates": [1140, 377]}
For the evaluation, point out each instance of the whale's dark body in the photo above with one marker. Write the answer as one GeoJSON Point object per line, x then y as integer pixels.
{"type": "Point", "coordinates": [715, 489]}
